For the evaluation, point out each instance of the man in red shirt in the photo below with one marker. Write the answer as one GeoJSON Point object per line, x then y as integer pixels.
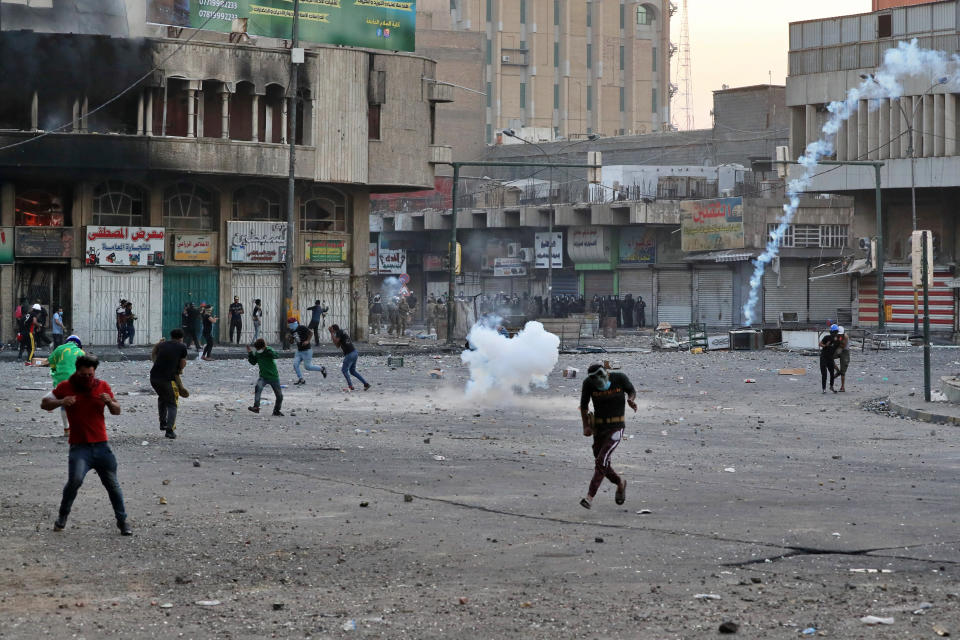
{"type": "Point", "coordinates": [84, 397]}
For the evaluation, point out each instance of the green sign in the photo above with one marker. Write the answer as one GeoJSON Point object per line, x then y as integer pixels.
{"type": "Point", "coordinates": [6, 245]}
{"type": "Point", "coordinates": [374, 24]}
{"type": "Point", "coordinates": [327, 250]}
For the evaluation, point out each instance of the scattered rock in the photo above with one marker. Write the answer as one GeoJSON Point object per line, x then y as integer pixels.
{"type": "Point", "coordinates": [407, 497]}
{"type": "Point", "coordinates": [729, 627]}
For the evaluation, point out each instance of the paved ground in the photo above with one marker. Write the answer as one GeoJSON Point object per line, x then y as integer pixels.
{"type": "Point", "coordinates": [797, 509]}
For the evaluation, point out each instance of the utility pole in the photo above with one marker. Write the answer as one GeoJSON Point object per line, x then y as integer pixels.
{"type": "Point", "coordinates": [296, 58]}
{"type": "Point", "coordinates": [924, 270]}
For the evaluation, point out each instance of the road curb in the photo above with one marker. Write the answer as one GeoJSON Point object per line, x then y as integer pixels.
{"type": "Point", "coordinates": [921, 415]}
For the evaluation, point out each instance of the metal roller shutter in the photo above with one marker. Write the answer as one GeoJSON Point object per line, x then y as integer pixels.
{"type": "Point", "coordinates": [898, 292]}
{"type": "Point", "coordinates": [788, 295]}
{"type": "Point", "coordinates": [714, 297]}
{"type": "Point", "coordinates": [673, 297]}
{"type": "Point", "coordinates": [334, 292]}
{"type": "Point", "coordinates": [266, 284]}
{"type": "Point", "coordinates": [597, 283]}
{"type": "Point", "coordinates": [105, 288]}
{"type": "Point", "coordinates": [565, 282]}
{"type": "Point", "coordinates": [493, 286]}
{"type": "Point", "coordinates": [638, 282]}
{"type": "Point", "coordinates": [826, 296]}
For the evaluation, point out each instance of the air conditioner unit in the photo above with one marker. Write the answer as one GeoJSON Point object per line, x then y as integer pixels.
{"type": "Point", "coordinates": [513, 249]}
{"type": "Point", "coordinates": [504, 58]}
{"type": "Point", "coordinates": [527, 254]}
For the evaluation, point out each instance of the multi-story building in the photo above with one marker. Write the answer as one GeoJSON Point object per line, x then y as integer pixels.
{"type": "Point", "coordinates": [552, 68]}
{"type": "Point", "coordinates": [175, 190]}
{"type": "Point", "coordinates": [832, 55]}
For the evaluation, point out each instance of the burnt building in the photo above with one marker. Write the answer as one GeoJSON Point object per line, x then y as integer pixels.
{"type": "Point", "coordinates": [155, 169]}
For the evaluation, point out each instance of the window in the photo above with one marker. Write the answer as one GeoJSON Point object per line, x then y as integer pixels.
{"type": "Point", "coordinates": [323, 210]}
{"type": "Point", "coordinates": [255, 202]}
{"type": "Point", "coordinates": [523, 11]}
{"type": "Point", "coordinates": [523, 95]}
{"type": "Point", "coordinates": [589, 97]}
{"type": "Point", "coordinates": [885, 25]}
{"type": "Point", "coordinates": [654, 58]}
{"type": "Point", "coordinates": [556, 96]}
{"type": "Point", "coordinates": [118, 204]}
{"type": "Point", "coordinates": [556, 54]}
{"type": "Point", "coordinates": [589, 14]}
{"type": "Point", "coordinates": [623, 57]}
{"type": "Point", "coordinates": [489, 10]}
{"type": "Point", "coordinates": [644, 16]}
{"type": "Point", "coordinates": [654, 106]}
{"type": "Point", "coordinates": [373, 122]}
{"type": "Point", "coordinates": [41, 207]}
{"type": "Point", "coordinates": [556, 13]}
{"type": "Point", "coordinates": [489, 134]}
{"type": "Point", "coordinates": [489, 51]}
{"type": "Point", "coordinates": [623, 99]}
{"type": "Point", "coordinates": [187, 205]}
{"type": "Point", "coordinates": [814, 236]}
{"type": "Point", "coordinates": [623, 21]}
{"type": "Point", "coordinates": [589, 55]}
{"type": "Point", "coordinates": [489, 94]}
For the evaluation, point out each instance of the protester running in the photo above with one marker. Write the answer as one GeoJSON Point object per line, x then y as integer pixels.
{"type": "Point", "coordinates": [169, 361]}
{"type": "Point", "coordinates": [350, 356]}
{"type": "Point", "coordinates": [84, 398]}
{"type": "Point", "coordinates": [266, 359]}
{"type": "Point", "coordinates": [609, 392]}
{"type": "Point", "coordinates": [63, 364]}
{"type": "Point", "coordinates": [828, 345]}
{"type": "Point", "coordinates": [301, 336]}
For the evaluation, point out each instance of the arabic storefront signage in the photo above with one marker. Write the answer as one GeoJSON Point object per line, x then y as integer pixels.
{"type": "Point", "coordinates": [392, 261]}
{"type": "Point", "coordinates": [374, 24]}
{"type": "Point", "coordinates": [638, 245]}
{"type": "Point", "coordinates": [125, 246]}
{"type": "Point", "coordinates": [43, 242]}
{"type": "Point", "coordinates": [541, 245]}
{"type": "Point", "coordinates": [260, 242]}
{"type": "Point", "coordinates": [435, 262]}
{"type": "Point", "coordinates": [6, 245]}
{"type": "Point", "coordinates": [711, 225]}
{"type": "Point", "coordinates": [327, 250]}
{"type": "Point", "coordinates": [193, 247]}
{"type": "Point", "coordinates": [508, 267]}
{"type": "Point", "coordinates": [589, 244]}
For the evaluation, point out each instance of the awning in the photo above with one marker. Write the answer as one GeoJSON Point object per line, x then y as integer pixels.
{"type": "Point", "coordinates": [857, 267]}
{"type": "Point", "coordinates": [731, 255]}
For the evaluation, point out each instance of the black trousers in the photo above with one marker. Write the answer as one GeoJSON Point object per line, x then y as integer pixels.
{"type": "Point", "coordinates": [190, 337]}
{"type": "Point", "coordinates": [238, 325]}
{"type": "Point", "coordinates": [826, 367]}
{"type": "Point", "coordinates": [208, 347]}
{"type": "Point", "coordinates": [167, 400]}
{"type": "Point", "coordinates": [314, 326]}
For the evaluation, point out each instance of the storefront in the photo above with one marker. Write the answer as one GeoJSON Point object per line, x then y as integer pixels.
{"type": "Point", "coordinates": [638, 255]}
{"type": "Point", "coordinates": [594, 255]}
{"type": "Point", "coordinates": [43, 267]}
{"type": "Point", "coordinates": [257, 251]}
{"type": "Point", "coordinates": [898, 294]}
{"type": "Point", "coordinates": [714, 287]}
{"type": "Point", "coordinates": [325, 276]}
{"type": "Point", "coordinates": [674, 295]}
{"type": "Point", "coordinates": [785, 291]}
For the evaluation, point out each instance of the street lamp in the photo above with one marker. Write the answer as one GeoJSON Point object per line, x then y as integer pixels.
{"type": "Point", "coordinates": [510, 133]}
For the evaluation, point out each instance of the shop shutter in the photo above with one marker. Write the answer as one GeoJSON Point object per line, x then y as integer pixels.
{"type": "Point", "coordinates": [597, 283]}
{"type": "Point", "coordinates": [565, 282]}
{"type": "Point", "coordinates": [266, 284]}
{"type": "Point", "coordinates": [787, 296]}
{"type": "Point", "coordinates": [673, 297]}
{"type": "Point", "coordinates": [105, 290]}
{"type": "Point", "coordinates": [898, 292]}
{"type": "Point", "coordinates": [715, 297]}
{"type": "Point", "coordinates": [332, 290]}
{"type": "Point", "coordinates": [638, 282]}
{"type": "Point", "coordinates": [826, 296]}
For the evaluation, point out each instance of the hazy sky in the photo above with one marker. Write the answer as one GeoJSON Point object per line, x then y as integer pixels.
{"type": "Point", "coordinates": [743, 42]}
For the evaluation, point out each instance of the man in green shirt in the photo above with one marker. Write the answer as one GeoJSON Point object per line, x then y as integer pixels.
{"type": "Point", "coordinates": [265, 358]}
{"type": "Point", "coordinates": [63, 364]}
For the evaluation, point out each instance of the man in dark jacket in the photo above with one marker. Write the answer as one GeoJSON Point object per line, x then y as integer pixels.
{"type": "Point", "coordinates": [609, 392]}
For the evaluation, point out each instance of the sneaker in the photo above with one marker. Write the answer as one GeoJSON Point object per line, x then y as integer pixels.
{"type": "Point", "coordinates": [254, 409]}
{"type": "Point", "coordinates": [171, 434]}
{"type": "Point", "coordinates": [300, 381]}
{"type": "Point", "coordinates": [125, 529]}
{"type": "Point", "coordinates": [278, 413]}
{"type": "Point", "coordinates": [621, 495]}
{"type": "Point", "coordinates": [323, 371]}
{"type": "Point", "coordinates": [585, 503]}
{"type": "Point", "coordinates": [60, 523]}
{"type": "Point", "coordinates": [366, 386]}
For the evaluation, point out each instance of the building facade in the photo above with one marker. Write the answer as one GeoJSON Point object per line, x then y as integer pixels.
{"type": "Point", "coordinates": [830, 56]}
{"type": "Point", "coordinates": [554, 68]}
{"type": "Point", "coordinates": [176, 191]}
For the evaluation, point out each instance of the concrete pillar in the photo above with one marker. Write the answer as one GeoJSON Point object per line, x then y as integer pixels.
{"type": "Point", "coordinates": [950, 124]}
{"type": "Point", "coordinates": [76, 115]}
{"type": "Point", "coordinates": [225, 115]}
{"type": "Point", "coordinates": [8, 302]}
{"type": "Point", "coordinates": [283, 120]}
{"type": "Point", "coordinates": [140, 115]}
{"type": "Point", "coordinates": [906, 124]}
{"type": "Point", "coordinates": [928, 145]}
{"type": "Point", "coordinates": [853, 128]}
{"type": "Point", "coordinates": [938, 125]}
{"type": "Point", "coordinates": [893, 150]}
{"type": "Point", "coordinates": [863, 123]}
{"type": "Point", "coordinates": [201, 109]}
{"type": "Point", "coordinates": [191, 113]}
{"type": "Point", "coordinates": [148, 115]}
{"type": "Point", "coordinates": [884, 134]}
{"type": "Point", "coordinates": [84, 118]}
{"type": "Point", "coordinates": [811, 125]}
{"type": "Point", "coordinates": [798, 137]}
{"type": "Point", "coordinates": [35, 112]}
{"type": "Point", "coordinates": [256, 117]}
{"type": "Point", "coordinates": [359, 264]}
{"type": "Point", "coordinates": [873, 133]}
{"type": "Point", "coordinates": [841, 142]}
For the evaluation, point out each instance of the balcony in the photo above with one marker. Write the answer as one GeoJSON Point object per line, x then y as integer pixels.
{"type": "Point", "coordinates": [441, 154]}
{"type": "Point", "coordinates": [438, 92]}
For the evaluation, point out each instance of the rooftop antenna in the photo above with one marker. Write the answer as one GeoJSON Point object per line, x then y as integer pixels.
{"type": "Point", "coordinates": [684, 81]}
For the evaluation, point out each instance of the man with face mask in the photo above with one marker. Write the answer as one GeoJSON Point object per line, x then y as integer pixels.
{"type": "Point", "coordinates": [609, 392]}
{"type": "Point", "coordinates": [266, 359]}
{"type": "Point", "coordinates": [84, 397]}
{"type": "Point", "coordinates": [301, 336]}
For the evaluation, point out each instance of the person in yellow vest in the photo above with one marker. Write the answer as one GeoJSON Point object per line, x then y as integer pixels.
{"type": "Point", "coordinates": [63, 364]}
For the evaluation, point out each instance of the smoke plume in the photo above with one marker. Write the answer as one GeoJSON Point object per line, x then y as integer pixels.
{"type": "Point", "coordinates": [905, 61]}
{"type": "Point", "coordinates": [501, 367]}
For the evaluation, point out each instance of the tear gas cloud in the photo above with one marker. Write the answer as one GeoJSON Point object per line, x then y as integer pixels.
{"type": "Point", "coordinates": [905, 61]}
{"type": "Point", "coordinates": [390, 288]}
{"type": "Point", "coordinates": [502, 366]}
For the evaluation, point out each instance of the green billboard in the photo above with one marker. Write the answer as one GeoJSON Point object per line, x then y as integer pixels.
{"type": "Point", "coordinates": [374, 24]}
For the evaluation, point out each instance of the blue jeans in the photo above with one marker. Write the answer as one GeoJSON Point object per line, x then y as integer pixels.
{"type": "Point", "coordinates": [349, 368]}
{"type": "Point", "coordinates": [277, 393]}
{"type": "Point", "coordinates": [130, 333]}
{"type": "Point", "coordinates": [256, 330]}
{"type": "Point", "coordinates": [100, 458]}
{"type": "Point", "coordinates": [306, 357]}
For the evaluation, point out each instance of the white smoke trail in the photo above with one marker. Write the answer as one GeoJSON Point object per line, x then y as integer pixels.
{"type": "Point", "coordinates": [502, 366]}
{"type": "Point", "coordinates": [390, 288]}
{"type": "Point", "coordinates": [906, 60]}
